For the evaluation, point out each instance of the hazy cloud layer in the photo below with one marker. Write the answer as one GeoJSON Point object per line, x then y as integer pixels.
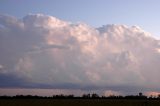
{"type": "Point", "coordinates": [42, 51]}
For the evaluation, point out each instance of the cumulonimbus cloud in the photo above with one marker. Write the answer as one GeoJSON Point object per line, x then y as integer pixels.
{"type": "Point", "coordinates": [43, 51]}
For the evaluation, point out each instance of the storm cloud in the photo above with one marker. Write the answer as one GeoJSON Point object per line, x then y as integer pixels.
{"type": "Point", "coordinates": [41, 51]}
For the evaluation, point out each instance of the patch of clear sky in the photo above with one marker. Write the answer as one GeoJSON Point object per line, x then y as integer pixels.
{"type": "Point", "coordinates": [144, 13]}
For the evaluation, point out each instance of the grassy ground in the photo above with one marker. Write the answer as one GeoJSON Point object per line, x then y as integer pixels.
{"type": "Point", "coordinates": [77, 102]}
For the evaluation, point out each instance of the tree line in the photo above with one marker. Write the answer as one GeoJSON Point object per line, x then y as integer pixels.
{"type": "Point", "coordinates": [84, 96]}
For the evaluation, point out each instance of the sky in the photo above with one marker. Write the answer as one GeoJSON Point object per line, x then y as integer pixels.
{"type": "Point", "coordinates": [93, 12]}
{"type": "Point", "coordinates": [103, 46]}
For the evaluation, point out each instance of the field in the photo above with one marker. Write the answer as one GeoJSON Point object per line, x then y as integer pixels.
{"type": "Point", "coordinates": [77, 102]}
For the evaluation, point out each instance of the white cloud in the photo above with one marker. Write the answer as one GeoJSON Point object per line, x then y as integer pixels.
{"type": "Point", "coordinates": [111, 93]}
{"type": "Point", "coordinates": [45, 50]}
{"type": "Point", "coordinates": [152, 93]}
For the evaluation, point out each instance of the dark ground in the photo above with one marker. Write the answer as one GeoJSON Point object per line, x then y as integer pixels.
{"type": "Point", "coordinates": [77, 102]}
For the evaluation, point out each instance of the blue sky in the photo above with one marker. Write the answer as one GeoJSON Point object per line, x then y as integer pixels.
{"type": "Point", "coordinates": [144, 13]}
{"type": "Point", "coordinates": [40, 51]}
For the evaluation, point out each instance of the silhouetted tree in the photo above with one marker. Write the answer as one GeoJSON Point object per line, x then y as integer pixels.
{"type": "Point", "coordinates": [158, 96]}
{"type": "Point", "coordinates": [86, 96]}
{"type": "Point", "coordinates": [94, 95]}
{"type": "Point", "coordinates": [140, 94]}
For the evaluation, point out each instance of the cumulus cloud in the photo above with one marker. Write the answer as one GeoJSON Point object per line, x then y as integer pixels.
{"type": "Point", "coordinates": [44, 51]}
{"type": "Point", "coordinates": [152, 93]}
{"type": "Point", "coordinates": [111, 93]}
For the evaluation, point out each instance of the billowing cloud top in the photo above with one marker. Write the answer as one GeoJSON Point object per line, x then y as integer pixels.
{"type": "Point", "coordinates": [40, 51]}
